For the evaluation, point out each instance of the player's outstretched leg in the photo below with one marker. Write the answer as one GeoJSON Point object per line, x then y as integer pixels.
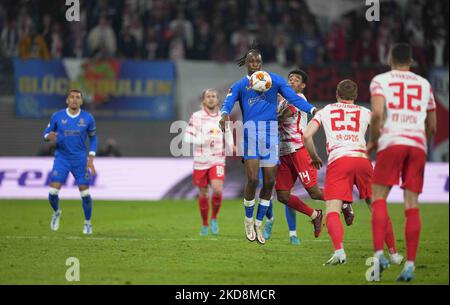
{"type": "Point", "coordinates": [203, 204]}
{"type": "Point", "coordinates": [269, 221]}
{"type": "Point", "coordinates": [300, 206]}
{"type": "Point", "coordinates": [216, 204]}
{"type": "Point", "coordinates": [291, 218]}
{"type": "Point", "coordinates": [87, 208]}
{"type": "Point", "coordinates": [261, 212]}
{"type": "Point", "coordinates": [53, 198]}
{"type": "Point", "coordinates": [249, 224]}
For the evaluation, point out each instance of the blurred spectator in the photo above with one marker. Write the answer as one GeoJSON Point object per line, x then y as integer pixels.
{"type": "Point", "coordinates": [152, 47]}
{"type": "Point", "coordinates": [102, 39]}
{"type": "Point", "coordinates": [32, 45]}
{"type": "Point", "coordinates": [439, 49]}
{"type": "Point", "coordinates": [183, 29]}
{"type": "Point", "coordinates": [220, 50]}
{"type": "Point", "coordinates": [9, 39]}
{"type": "Point", "coordinates": [309, 47]}
{"type": "Point", "coordinates": [336, 46]}
{"type": "Point", "coordinates": [110, 149]}
{"type": "Point", "coordinates": [202, 40]}
{"type": "Point", "coordinates": [56, 45]}
{"type": "Point", "coordinates": [365, 50]}
{"type": "Point", "coordinates": [75, 44]}
{"type": "Point", "coordinates": [128, 46]}
{"type": "Point", "coordinates": [281, 43]}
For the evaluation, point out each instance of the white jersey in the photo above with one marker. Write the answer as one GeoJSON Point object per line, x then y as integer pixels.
{"type": "Point", "coordinates": [291, 130]}
{"type": "Point", "coordinates": [408, 97]}
{"type": "Point", "coordinates": [205, 133]}
{"type": "Point", "coordinates": [345, 126]}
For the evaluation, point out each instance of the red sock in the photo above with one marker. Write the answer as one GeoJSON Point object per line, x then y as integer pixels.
{"type": "Point", "coordinates": [412, 233]}
{"type": "Point", "coordinates": [379, 221]}
{"type": "Point", "coordinates": [335, 229]}
{"type": "Point", "coordinates": [216, 204]}
{"type": "Point", "coordinates": [204, 209]}
{"type": "Point", "coordinates": [389, 238]}
{"type": "Point", "coordinates": [298, 205]}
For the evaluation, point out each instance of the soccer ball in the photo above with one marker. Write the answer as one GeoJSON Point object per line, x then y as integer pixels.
{"type": "Point", "coordinates": [260, 81]}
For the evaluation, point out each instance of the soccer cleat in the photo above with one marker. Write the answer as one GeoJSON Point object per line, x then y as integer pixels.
{"type": "Point", "coordinates": [268, 229]}
{"type": "Point", "coordinates": [383, 262]}
{"type": "Point", "coordinates": [204, 231]}
{"type": "Point", "coordinates": [294, 240]}
{"type": "Point", "coordinates": [250, 229]}
{"type": "Point", "coordinates": [396, 258]}
{"type": "Point", "coordinates": [317, 222]}
{"type": "Point", "coordinates": [54, 223]}
{"type": "Point", "coordinates": [214, 227]}
{"type": "Point", "coordinates": [259, 235]}
{"type": "Point", "coordinates": [87, 229]}
{"type": "Point", "coordinates": [347, 210]}
{"type": "Point", "coordinates": [406, 275]}
{"type": "Point", "coordinates": [337, 259]}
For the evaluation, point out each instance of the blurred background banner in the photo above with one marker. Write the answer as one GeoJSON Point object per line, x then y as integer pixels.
{"type": "Point", "coordinates": [158, 178]}
{"type": "Point", "coordinates": [113, 89]}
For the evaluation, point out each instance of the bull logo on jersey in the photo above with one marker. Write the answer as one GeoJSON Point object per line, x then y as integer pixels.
{"type": "Point", "coordinates": [215, 131]}
{"type": "Point", "coordinates": [81, 122]}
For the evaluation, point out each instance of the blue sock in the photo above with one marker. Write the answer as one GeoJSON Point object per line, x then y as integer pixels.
{"type": "Point", "coordinates": [249, 207]}
{"type": "Point", "coordinates": [262, 209]}
{"type": "Point", "coordinates": [291, 217]}
{"type": "Point", "coordinates": [87, 206]}
{"type": "Point", "coordinates": [54, 201]}
{"type": "Point", "coordinates": [269, 213]}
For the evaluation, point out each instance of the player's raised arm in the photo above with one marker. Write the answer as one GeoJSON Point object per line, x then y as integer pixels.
{"type": "Point", "coordinates": [308, 134]}
{"type": "Point", "coordinates": [290, 95]}
{"type": "Point", "coordinates": [431, 119]}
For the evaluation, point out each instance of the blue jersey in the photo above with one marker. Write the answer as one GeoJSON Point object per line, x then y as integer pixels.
{"type": "Point", "coordinates": [257, 106]}
{"type": "Point", "coordinates": [72, 132]}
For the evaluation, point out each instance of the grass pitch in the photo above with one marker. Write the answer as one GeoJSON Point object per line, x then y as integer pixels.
{"type": "Point", "coordinates": [159, 243]}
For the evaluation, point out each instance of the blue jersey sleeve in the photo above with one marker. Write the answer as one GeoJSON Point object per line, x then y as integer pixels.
{"type": "Point", "coordinates": [51, 126]}
{"type": "Point", "coordinates": [92, 133]}
{"type": "Point", "coordinates": [290, 95]}
{"type": "Point", "coordinates": [230, 99]}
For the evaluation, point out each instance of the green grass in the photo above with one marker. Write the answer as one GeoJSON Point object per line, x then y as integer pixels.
{"type": "Point", "coordinates": [158, 243]}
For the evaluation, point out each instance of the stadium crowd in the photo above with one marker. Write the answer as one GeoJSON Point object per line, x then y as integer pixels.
{"type": "Point", "coordinates": [220, 30]}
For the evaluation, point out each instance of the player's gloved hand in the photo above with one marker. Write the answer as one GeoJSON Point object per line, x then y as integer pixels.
{"type": "Point", "coordinates": [222, 121]}
{"type": "Point", "coordinates": [316, 162]}
{"type": "Point", "coordinates": [90, 165]}
{"type": "Point", "coordinates": [52, 136]}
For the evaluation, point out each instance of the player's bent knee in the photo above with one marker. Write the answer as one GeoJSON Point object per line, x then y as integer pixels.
{"type": "Point", "coordinates": [252, 182]}
{"type": "Point", "coordinates": [283, 197]}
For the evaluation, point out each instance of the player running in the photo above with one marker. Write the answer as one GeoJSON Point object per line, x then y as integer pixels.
{"type": "Point", "coordinates": [259, 109]}
{"type": "Point", "coordinates": [209, 157]}
{"type": "Point", "coordinates": [294, 163]}
{"type": "Point", "coordinates": [400, 135]}
{"type": "Point", "coordinates": [69, 128]}
{"type": "Point", "coordinates": [345, 125]}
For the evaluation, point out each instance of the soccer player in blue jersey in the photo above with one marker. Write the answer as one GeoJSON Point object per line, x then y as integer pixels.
{"type": "Point", "coordinates": [259, 112]}
{"type": "Point", "coordinates": [69, 128]}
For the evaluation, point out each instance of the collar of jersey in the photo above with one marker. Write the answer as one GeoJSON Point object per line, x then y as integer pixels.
{"type": "Point", "coordinates": [248, 77]}
{"type": "Point", "coordinates": [72, 115]}
{"type": "Point", "coordinates": [346, 102]}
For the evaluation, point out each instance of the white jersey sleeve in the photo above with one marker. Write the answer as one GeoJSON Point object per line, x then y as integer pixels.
{"type": "Point", "coordinates": [345, 127]}
{"type": "Point", "coordinates": [408, 97]}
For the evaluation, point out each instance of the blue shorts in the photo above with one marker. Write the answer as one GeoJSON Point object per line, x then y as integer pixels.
{"type": "Point", "coordinates": [263, 145]}
{"type": "Point", "coordinates": [78, 168]}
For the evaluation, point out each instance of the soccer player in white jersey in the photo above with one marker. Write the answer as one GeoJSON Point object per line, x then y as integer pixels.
{"type": "Point", "coordinates": [295, 163]}
{"type": "Point", "coordinates": [345, 125]}
{"type": "Point", "coordinates": [403, 119]}
{"type": "Point", "coordinates": [209, 157]}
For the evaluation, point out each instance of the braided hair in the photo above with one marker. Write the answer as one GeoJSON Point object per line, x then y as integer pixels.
{"type": "Point", "coordinates": [253, 49]}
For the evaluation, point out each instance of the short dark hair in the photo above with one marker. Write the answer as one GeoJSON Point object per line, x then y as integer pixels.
{"type": "Point", "coordinates": [301, 73]}
{"type": "Point", "coordinates": [347, 90]}
{"type": "Point", "coordinates": [77, 91]}
{"type": "Point", "coordinates": [401, 53]}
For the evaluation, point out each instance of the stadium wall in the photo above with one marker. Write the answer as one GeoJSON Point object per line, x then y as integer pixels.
{"type": "Point", "coordinates": [158, 178]}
